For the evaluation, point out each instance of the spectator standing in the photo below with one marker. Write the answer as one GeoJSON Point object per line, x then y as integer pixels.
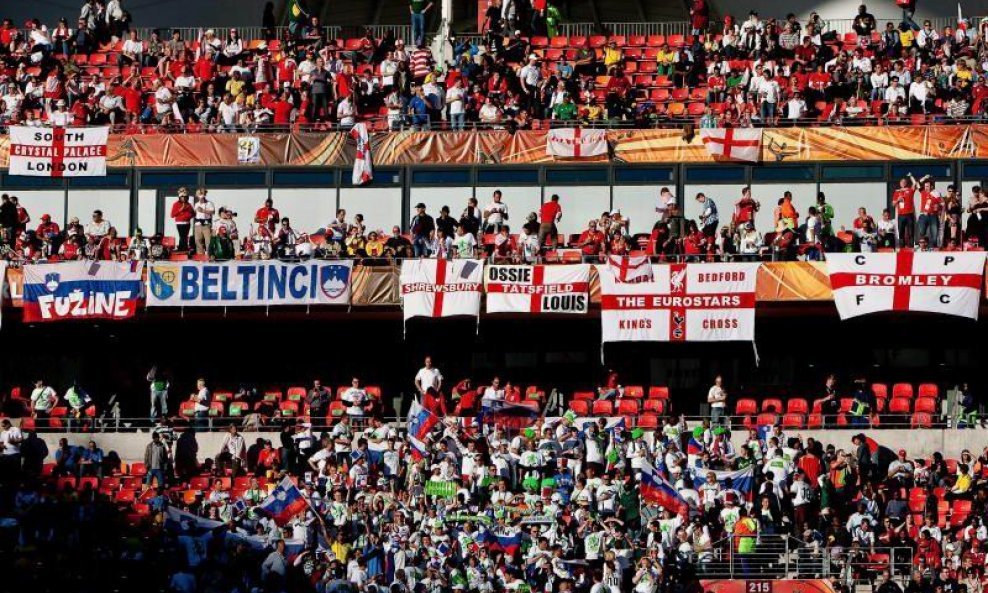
{"type": "Point", "coordinates": [200, 398]}
{"type": "Point", "coordinates": [428, 378]}
{"type": "Point", "coordinates": [11, 438]}
{"type": "Point", "coordinates": [318, 399]}
{"type": "Point", "coordinates": [417, 9]}
{"type": "Point", "coordinates": [156, 461]}
{"type": "Point", "coordinates": [204, 210]}
{"type": "Point", "coordinates": [495, 213]}
{"type": "Point", "coordinates": [43, 400]}
{"type": "Point", "coordinates": [717, 399]}
{"type": "Point", "coordinates": [708, 216]}
{"type": "Point", "coordinates": [904, 202]}
{"type": "Point", "coordinates": [233, 452]}
{"type": "Point", "coordinates": [930, 210]}
{"type": "Point", "coordinates": [549, 214]}
{"type": "Point", "coordinates": [159, 392]}
{"type": "Point", "coordinates": [421, 227]}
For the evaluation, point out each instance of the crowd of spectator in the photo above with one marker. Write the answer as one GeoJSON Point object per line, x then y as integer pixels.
{"type": "Point", "coordinates": [518, 74]}
{"type": "Point", "coordinates": [548, 505]}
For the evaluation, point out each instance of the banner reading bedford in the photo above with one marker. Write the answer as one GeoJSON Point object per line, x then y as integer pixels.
{"type": "Point", "coordinates": [441, 288]}
{"type": "Point", "coordinates": [249, 283]}
{"type": "Point", "coordinates": [58, 152]}
{"type": "Point", "coordinates": [82, 290]}
{"type": "Point", "coordinates": [684, 303]}
{"type": "Point", "coordinates": [538, 289]}
{"type": "Point", "coordinates": [937, 282]}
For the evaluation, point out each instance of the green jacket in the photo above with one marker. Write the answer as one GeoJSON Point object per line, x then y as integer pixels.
{"type": "Point", "coordinates": [220, 248]}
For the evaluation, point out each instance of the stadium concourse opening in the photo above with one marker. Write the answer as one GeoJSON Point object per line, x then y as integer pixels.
{"type": "Point", "coordinates": [797, 347]}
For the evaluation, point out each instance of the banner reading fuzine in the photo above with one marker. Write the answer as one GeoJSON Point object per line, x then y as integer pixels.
{"type": "Point", "coordinates": [249, 283]}
{"type": "Point", "coordinates": [58, 152]}
{"type": "Point", "coordinates": [937, 282]}
{"type": "Point", "coordinates": [538, 289]}
{"type": "Point", "coordinates": [684, 303]}
{"type": "Point", "coordinates": [82, 290]}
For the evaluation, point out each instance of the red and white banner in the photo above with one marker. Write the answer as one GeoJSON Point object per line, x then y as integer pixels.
{"type": "Point", "coordinates": [58, 152]}
{"type": "Point", "coordinates": [538, 289]}
{"type": "Point", "coordinates": [936, 282]}
{"type": "Point", "coordinates": [628, 268]}
{"type": "Point", "coordinates": [739, 144]}
{"type": "Point", "coordinates": [575, 143]}
{"type": "Point", "coordinates": [363, 168]}
{"type": "Point", "coordinates": [441, 288]}
{"type": "Point", "coordinates": [685, 303]}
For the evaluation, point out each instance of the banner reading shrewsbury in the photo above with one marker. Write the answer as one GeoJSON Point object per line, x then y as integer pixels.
{"type": "Point", "coordinates": [684, 303]}
{"type": "Point", "coordinates": [82, 290]}
{"type": "Point", "coordinates": [538, 289]}
{"type": "Point", "coordinates": [248, 283]}
{"type": "Point", "coordinates": [944, 282]}
{"type": "Point", "coordinates": [441, 288]}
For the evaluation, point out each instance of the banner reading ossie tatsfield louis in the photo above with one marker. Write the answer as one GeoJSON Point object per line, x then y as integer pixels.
{"type": "Point", "coordinates": [248, 283]}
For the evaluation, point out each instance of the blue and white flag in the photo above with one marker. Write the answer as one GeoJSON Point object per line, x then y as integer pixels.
{"type": "Point", "coordinates": [742, 480]}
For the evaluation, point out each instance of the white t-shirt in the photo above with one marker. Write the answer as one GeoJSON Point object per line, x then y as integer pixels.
{"type": "Point", "coordinates": [718, 393]}
{"type": "Point", "coordinates": [429, 378]}
{"type": "Point", "coordinates": [229, 112]}
{"type": "Point", "coordinates": [162, 100]}
{"type": "Point", "coordinates": [768, 89]}
{"type": "Point", "coordinates": [10, 440]}
{"type": "Point", "coordinates": [497, 212]}
{"type": "Point", "coordinates": [454, 98]}
{"type": "Point", "coordinates": [133, 46]}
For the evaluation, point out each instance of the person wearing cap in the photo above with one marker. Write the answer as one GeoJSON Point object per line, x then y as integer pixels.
{"type": "Point", "coordinates": [182, 214]}
{"type": "Point", "coordinates": [901, 470]}
{"type": "Point", "coordinates": [421, 227]}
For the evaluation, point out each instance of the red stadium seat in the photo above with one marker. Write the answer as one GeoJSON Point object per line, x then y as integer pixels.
{"type": "Point", "coordinates": [655, 40]}
{"type": "Point", "coordinates": [676, 41]}
{"type": "Point", "coordinates": [578, 40]}
{"type": "Point", "coordinates": [658, 392]}
{"type": "Point", "coordinates": [584, 395]}
{"type": "Point", "coordinates": [635, 391]}
{"type": "Point", "coordinates": [222, 396]}
{"type": "Point", "coordinates": [745, 406]}
{"type": "Point", "coordinates": [627, 407]}
{"type": "Point", "coordinates": [237, 409]}
{"type": "Point", "coordinates": [772, 405]}
{"type": "Point", "coordinates": [636, 40]}
{"type": "Point", "coordinates": [766, 419]}
{"type": "Point", "coordinates": [597, 41]}
{"type": "Point", "coordinates": [899, 405]}
{"type": "Point", "coordinates": [902, 390]}
{"type": "Point", "coordinates": [814, 421]}
{"type": "Point", "coordinates": [217, 409]}
{"type": "Point", "coordinates": [125, 496]}
{"type": "Point", "coordinates": [559, 41]}
{"type": "Point", "coordinates": [648, 420]}
{"type": "Point", "coordinates": [603, 407]}
{"type": "Point", "coordinates": [792, 421]}
{"type": "Point", "coordinates": [296, 393]}
{"type": "Point", "coordinates": [925, 404]}
{"type": "Point", "coordinates": [921, 420]}
{"type": "Point", "coordinates": [66, 483]}
{"type": "Point", "coordinates": [881, 390]}
{"type": "Point", "coordinates": [929, 390]}
{"type": "Point", "coordinates": [580, 407]}
{"type": "Point", "coordinates": [959, 512]}
{"type": "Point", "coordinates": [797, 405]}
{"type": "Point", "coordinates": [199, 483]}
{"type": "Point", "coordinates": [655, 405]}
{"type": "Point", "coordinates": [539, 41]}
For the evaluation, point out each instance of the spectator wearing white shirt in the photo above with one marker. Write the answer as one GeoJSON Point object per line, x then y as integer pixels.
{"type": "Point", "coordinates": [229, 113]}
{"type": "Point", "coordinates": [879, 82]}
{"type": "Point", "coordinates": [768, 92]}
{"type": "Point", "coordinates": [133, 51]}
{"type": "Point", "coordinates": [428, 378]}
{"type": "Point", "coordinates": [796, 108]}
{"type": "Point", "coordinates": [233, 451]}
{"type": "Point", "coordinates": [920, 96]}
{"type": "Point", "coordinates": [495, 214]}
{"type": "Point", "coordinates": [43, 400]}
{"type": "Point", "coordinates": [356, 396]}
{"type": "Point", "coordinates": [203, 229]}
{"type": "Point", "coordinates": [163, 100]}
{"type": "Point", "coordinates": [345, 112]}
{"type": "Point", "coordinates": [456, 99]}
{"type": "Point", "coordinates": [11, 438]}
{"type": "Point", "coordinates": [98, 227]}
{"type": "Point", "coordinates": [894, 91]}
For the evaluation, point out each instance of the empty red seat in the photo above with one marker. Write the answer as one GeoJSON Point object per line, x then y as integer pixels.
{"type": "Point", "coordinates": [603, 407]}
{"type": "Point", "coordinates": [745, 406]}
{"type": "Point", "coordinates": [635, 391]}
{"type": "Point", "coordinates": [597, 41]}
{"type": "Point", "coordinates": [539, 41]}
{"type": "Point", "coordinates": [679, 94]}
{"type": "Point", "coordinates": [676, 40]}
{"type": "Point", "coordinates": [66, 483]}
{"type": "Point", "coordinates": [925, 404]}
{"type": "Point", "coordinates": [580, 407]}
{"type": "Point", "coordinates": [902, 390]}
{"type": "Point", "coordinates": [655, 40]}
{"type": "Point", "coordinates": [929, 390]}
{"type": "Point", "coordinates": [636, 40]}
{"type": "Point", "coordinates": [797, 405]}
{"type": "Point", "coordinates": [125, 496]}
{"type": "Point", "coordinates": [772, 405]}
{"type": "Point", "coordinates": [814, 421]}
{"type": "Point", "coordinates": [578, 40]}
{"type": "Point", "coordinates": [648, 420]}
{"type": "Point", "coordinates": [336, 409]}
{"type": "Point", "coordinates": [792, 421]}
{"type": "Point", "coordinates": [655, 405]}
{"type": "Point", "coordinates": [627, 407]}
{"type": "Point", "coordinates": [766, 419]}
{"type": "Point", "coordinates": [921, 420]}
{"type": "Point", "coordinates": [584, 395]}
{"type": "Point", "coordinates": [899, 405]}
{"type": "Point", "coordinates": [696, 109]}
{"type": "Point", "coordinates": [559, 41]}
{"type": "Point", "coordinates": [881, 390]}
{"type": "Point", "coordinates": [658, 392]}
{"type": "Point", "coordinates": [138, 469]}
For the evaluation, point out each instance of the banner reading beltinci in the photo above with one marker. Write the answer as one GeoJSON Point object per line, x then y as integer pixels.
{"type": "Point", "coordinates": [249, 283]}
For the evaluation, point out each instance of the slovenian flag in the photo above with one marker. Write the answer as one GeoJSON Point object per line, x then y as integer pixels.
{"type": "Point", "coordinates": [508, 414]}
{"type": "Point", "coordinates": [284, 502]}
{"type": "Point", "coordinates": [509, 544]}
{"type": "Point", "coordinates": [655, 488]}
{"type": "Point", "coordinates": [694, 447]}
{"type": "Point", "coordinates": [742, 480]}
{"type": "Point", "coordinates": [420, 423]}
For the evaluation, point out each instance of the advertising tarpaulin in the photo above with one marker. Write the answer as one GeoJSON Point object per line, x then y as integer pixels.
{"type": "Point", "coordinates": [941, 282]}
{"type": "Point", "coordinates": [538, 289]}
{"type": "Point", "coordinates": [249, 283]}
{"type": "Point", "coordinates": [441, 288]}
{"type": "Point", "coordinates": [82, 290]}
{"type": "Point", "coordinates": [685, 302]}
{"type": "Point", "coordinates": [58, 152]}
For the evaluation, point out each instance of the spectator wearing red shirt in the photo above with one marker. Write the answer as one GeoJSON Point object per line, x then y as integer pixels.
{"type": "Point", "coordinates": [550, 213]}
{"type": "Point", "coordinates": [930, 206]}
{"type": "Point", "coordinates": [182, 214]}
{"type": "Point", "coordinates": [745, 208]}
{"type": "Point", "coordinates": [47, 228]}
{"type": "Point", "coordinates": [282, 110]}
{"type": "Point", "coordinates": [267, 215]}
{"type": "Point", "coordinates": [864, 219]}
{"type": "Point", "coordinates": [903, 200]}
{"type": "Point", "coordinates": [591, 241]}
{"type": "Point", "coordinates": [699, 17]}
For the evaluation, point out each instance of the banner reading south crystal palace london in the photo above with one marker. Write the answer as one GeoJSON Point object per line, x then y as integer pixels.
{"type": "Point", "coordinates": [58, 152]}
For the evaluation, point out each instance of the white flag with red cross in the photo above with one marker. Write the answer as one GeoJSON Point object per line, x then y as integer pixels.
{"type": "Point", "coordinates": [738, 144]}
{"type": "Point", "coordinates": [58, 152]}
{"type": "Point", "coordinates": [538, 289]}
{"type": "Point", "coordinates": [575, 143]}
{"type": "Point", "coordinates": [627, 268]}
{"type": "Point", "coordinates": [947, 282]}
{"type": "Point", "coordinates": [441, 288]}
{"type": "Point", "coordinates": [684, 303]}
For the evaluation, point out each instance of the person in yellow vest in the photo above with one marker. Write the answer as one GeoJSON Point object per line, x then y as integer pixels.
{"type": "Point", "coordinates": [745, 536]}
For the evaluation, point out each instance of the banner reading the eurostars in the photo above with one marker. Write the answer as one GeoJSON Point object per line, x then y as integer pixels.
{"type": "Point", "coordinates": [249, 283]}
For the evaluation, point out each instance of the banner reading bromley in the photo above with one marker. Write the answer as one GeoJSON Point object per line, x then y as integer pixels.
{"type": "Point", "coordinates": [685, 303]}
{"type": "Point", "coordinates": [248, 283]}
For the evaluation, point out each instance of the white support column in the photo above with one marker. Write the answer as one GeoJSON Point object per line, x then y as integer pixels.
{"type": "Point", "coordinates": [441, 49]}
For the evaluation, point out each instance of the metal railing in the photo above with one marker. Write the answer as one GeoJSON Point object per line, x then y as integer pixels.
{"type": "Point", "coordinates": [626, 29]}
{"type": "Point", "coordinates": [253, 33]}
{"type": "Point", "coordinates": [784, 557]}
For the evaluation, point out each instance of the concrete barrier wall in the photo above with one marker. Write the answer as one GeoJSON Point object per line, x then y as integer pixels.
{"type": "Point", "coordinates": [918, 443]}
